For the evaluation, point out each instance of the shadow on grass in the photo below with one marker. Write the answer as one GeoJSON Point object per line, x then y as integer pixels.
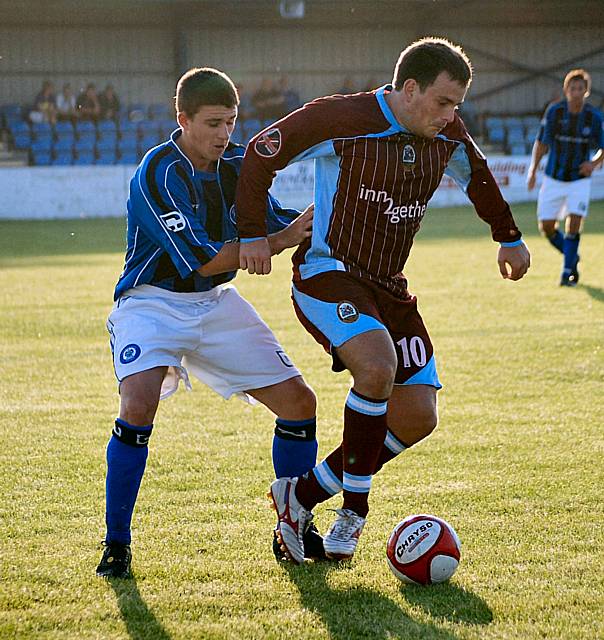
{"type": "Point", "coordinates": [362, 613]}
{"type": "Point", "coordinates": [140, 621]}
{"type": "Point", "coordinates": [595, 292]}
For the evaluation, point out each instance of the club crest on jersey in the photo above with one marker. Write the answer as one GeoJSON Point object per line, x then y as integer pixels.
{"type": "Point", "coordinates": [129, 353]}
{"type": "Point", "coordinates": [269, 143]}
{"type": "Point", "coordinates": [174, 220]}
{"type": "Point", "coordinates": [347, 312]}
{"type": "Point", "coordinates": [408, 156]}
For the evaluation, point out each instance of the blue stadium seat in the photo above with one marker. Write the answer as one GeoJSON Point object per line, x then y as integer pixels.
{"type": "Point", "coordinates": [63, 144]}
{"type": "Point", "coordinates": [237, 136]}
{"type": "Point", "coordinates": [85, 130]}
{"type": "Point", "coordinates": [127, 126]}
{"type": "Point", "coordinates": [251, 128]}
{"type": "Point", "coordinates": [20, 133]}
{"type": "Point", "coordinates": [160, 111]}
{"type": "Point", "coordinates": [106, 156]}
{"type": "Point", "coordinates": [515, 135]}
{"type": "Point", "coordinates": [64, 129]}
{"type": "Point", "coordinates": [149, 127]}
{"type": "Point", "coordinates": [148, 141]}
{"type": "Point", "coordinates": [84, 145]}
{"type": "Point", "coordinates": [41, 131]}
{"type": "Point", "coordinates": [62, 157]}
{"type": "Point", "coordinates": [41, 145]}
{"type": "Point", "coordinates": [105, 144]}
{"type": "Point", "coordinates": [166, 126]}
{"type": "Point", "coordinates": [518, 149]}
{"type": "Point", "coordinates": [107, 137]}
{"type": "Point", "coordinates": [84, 156]}
{"type": "Point", "coordinates": [129, 156]}
{"type": "Point", "coordinates": [127, 144]}
{"type": "Point", "coordinates": [106, 125]}
{"type": "Point", "coordinates": [531, 132]}
{"type": "Point", "coordinates": [41, 157]}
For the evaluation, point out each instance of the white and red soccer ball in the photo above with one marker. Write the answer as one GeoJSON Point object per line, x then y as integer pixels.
{"type": "Point", "coordinates": [423, 549]}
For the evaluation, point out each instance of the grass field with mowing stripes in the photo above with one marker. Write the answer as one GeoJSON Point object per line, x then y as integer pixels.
{"type": "Point", "coordinates": [515, 464]}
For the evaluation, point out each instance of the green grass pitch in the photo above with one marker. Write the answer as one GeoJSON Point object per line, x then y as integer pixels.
{"type": "Point", "coordinates": [515, 465]}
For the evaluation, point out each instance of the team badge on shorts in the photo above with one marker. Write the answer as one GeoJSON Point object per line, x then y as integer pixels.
{"type": "Point", "coordinates": [347, 312]}
{"type": "Point", "coordinates": [408, 156]}
{"type": "Point", "coordinates": [129, 353]}
{"type": "Point", "coordinates": [269, 143]}
{"type": "Point", "coordinates": [284, 358]}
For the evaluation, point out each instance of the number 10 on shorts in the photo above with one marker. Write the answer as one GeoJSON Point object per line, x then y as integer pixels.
{"type": "Point", "coordinates": [413, 349]}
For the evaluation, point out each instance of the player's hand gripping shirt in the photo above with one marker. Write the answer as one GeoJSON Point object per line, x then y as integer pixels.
{"type": "Point", "coordinates": [373, 181]}
{"type": "Point", "coordinates": [179, 218]}
{"type": "Point", "coordinates": [571, 137]}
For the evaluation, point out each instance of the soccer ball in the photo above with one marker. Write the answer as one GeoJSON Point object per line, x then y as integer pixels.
{"type": "Point", "coordinates": [423, 549]}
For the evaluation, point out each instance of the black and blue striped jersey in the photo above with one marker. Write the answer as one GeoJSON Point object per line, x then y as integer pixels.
{"type": "Point", "coordinates": [571, 138]}
{"type": "Point", "coordinates": [179, 218]}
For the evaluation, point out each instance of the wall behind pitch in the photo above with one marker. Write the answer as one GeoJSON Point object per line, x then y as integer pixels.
{"type": "Point", "coordinates": [138, 61]}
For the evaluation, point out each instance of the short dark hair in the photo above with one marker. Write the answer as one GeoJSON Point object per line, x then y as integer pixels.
{"type": "Point", "coordinates": [578, 74]}
{"type": "Point", "coordinates": [204, 86]}
{"type": "Point", "coordinates": [427, 58]}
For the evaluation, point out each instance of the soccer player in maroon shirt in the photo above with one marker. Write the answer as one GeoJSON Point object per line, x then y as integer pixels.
{"type": "Point", "coordinates": [379, 157]}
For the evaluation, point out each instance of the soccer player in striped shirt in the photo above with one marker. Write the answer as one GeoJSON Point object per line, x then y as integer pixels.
{"type": "Point", "coordinates": [379, 156]}
{"type": "Point", "coordinates": [571, 129]}
{"type": "Point", "coordinates": [175, 313]}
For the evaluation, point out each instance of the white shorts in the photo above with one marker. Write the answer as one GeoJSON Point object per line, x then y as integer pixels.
{"type": "Point", "coordinates": [216, 335]}
{"type": "Point", "coordinates": [558, 199]}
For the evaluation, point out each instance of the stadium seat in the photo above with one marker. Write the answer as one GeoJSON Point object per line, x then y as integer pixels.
{"type": "Point", "coordinates": [148, 141]}
{"type": "Point", "coordinates": [85, 130]}
{"type": "Point", "coordinates": [41, 157]}
{"type": "Point", "coordinates": [84, 156]}
{"type": "Point", "coordinates": [251, 128]}
{"type": "Point", "coordinates": [64, 129]}
{"type": "Point", "coordinates": [20, 133]}
{"type": "Point", "coordinates": [160, 111]}
{"type": "Point", "coordinates": [127, 126]}
{"type": "Point", "coordinates": [531, 133]}
{"type": "Point", "coordinates": [105, 144]}
{"type": "Point", "coordinates": [515, 135]}
{"type": "Point", "coordinates": [106, 156]}
{"type": "Point", "coordinates": [128, 157]}
{"type": "Point", "coordinates": [237, 137]}
{"type": "Point", "coordinates": [128, 144]}
{"type": "Point", "coordinates": [42, 145]}
{"type": "Point", "coordinates": [518, 149]}
{"type": "Point", "coordinates": [63, 144]}
{"type": "Point", "coordinates": [41, 131]}
{"type": "Point", "coordinates": [149, 128]}
{"type": "Point", "coordinates": [166, 126]}
{"type": "Point", "coordinates": [84, 146]}
{"type": "Point", "coordinates": [64, 157]}
{"type": "Point", "coordinates": [107, 137]}
{"type": "Point", "coordinates": [106, 125]}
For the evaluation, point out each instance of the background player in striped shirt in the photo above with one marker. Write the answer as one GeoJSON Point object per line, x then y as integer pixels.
{"type": "Point", "coordinates": [571, 129]}
{"type": "Point", "coordinates": [379, 157]}
{"type": "Point", "coordinates": [175, 314]}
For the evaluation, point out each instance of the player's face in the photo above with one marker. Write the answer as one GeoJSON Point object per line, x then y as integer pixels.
{"type": "Point", "coordinates": [206, 135]}
{"type": "Point", "coordinates": [428, 112]}
{"type": "Point", "coordinates": [576, 92]}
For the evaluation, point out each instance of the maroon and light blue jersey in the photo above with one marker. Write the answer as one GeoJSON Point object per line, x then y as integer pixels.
{"type": "Point", "coordinates": [373, 182]}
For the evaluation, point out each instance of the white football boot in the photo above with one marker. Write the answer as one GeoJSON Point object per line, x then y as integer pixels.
{"type": "Point", "coordinates": [343, 536]}
{"type": "Point", "coordinates": [293, 518]}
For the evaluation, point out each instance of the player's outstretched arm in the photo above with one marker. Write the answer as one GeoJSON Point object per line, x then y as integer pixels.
{"type": "Point", "coordinates": [514, 261]}
{"type": "Point", "coordinates": [228, 259]}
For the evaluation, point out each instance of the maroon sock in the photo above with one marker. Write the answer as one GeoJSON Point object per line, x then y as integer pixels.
{"type": "Point", "coordinates": [364, 434]}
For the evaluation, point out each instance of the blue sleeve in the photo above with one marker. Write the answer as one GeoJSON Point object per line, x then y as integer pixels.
{"type": "Point", "coordinates": [459, 167]}
{"type": "Point", "coordinates": [546, 131]}
{"type": "Point", "coordinates": [161, 203]}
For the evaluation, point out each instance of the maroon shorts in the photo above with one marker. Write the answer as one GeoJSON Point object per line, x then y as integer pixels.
{"type": "Point", "coordinates": [336, 306]}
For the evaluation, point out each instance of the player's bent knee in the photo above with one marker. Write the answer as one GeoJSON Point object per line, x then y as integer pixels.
{"type": "Point", "coordinates": [303, 398]}
{"type": "Point", "coordinates": [375, 379]}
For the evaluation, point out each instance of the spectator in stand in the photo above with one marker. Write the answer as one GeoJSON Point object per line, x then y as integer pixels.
{"type": "Point", "coordinates": [89, 107]}
{"type": "Point", "coordinates": [268, 101]}
{"type": "Point", "coordinates": [246, 108]}
{"type": "Point", "coordinates": [66, 104]}
{"type": "Point", "coordinates": [347, 87]}
{"type": "Point", "coordinates": [44, 109]}
{"type": "Point", "coordinates": [110, 103]}
{"type": "Point", "coordinates": [291, 97]}
{"type": "Point", "coordinates": [372, 84]}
